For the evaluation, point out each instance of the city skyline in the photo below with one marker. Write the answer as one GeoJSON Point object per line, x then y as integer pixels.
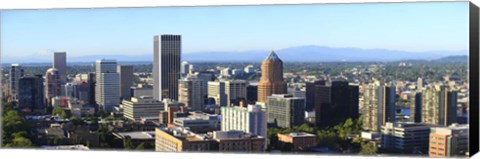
{"type": "Point", "coordinates": [237, 28]}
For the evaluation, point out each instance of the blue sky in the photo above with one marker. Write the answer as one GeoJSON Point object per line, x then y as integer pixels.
{"type": "Point", "coordinates": [398, 26]}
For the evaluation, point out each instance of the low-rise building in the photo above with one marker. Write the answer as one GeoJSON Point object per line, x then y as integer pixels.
{"type": "Point", "coordinates": [141, 107]}
{"type": "Point", "coordinates": [300, 141]}
{"type": "Point", "coordinates": [449, 141]}
{"type": "Point", "coordinates": [405, 137]}
{"type": "Point", "coordinates": [199, 122]}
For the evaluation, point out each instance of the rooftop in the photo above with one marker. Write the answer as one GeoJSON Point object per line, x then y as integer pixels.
{"type": "Point", "coordinates": [299, 134]}
{"type": "Point", "coordinates": [67, 147]}
{"type": "Point", "coordinates": [139, 135]}
{"type": "Point", "coordinates": [273, 57]}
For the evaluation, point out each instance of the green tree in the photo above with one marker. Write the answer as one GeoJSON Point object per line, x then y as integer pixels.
{"type": "Point", "coordinates": [140, 146]}
{"type": "Point", "coordinates": [368, 149]}
{"type": "Point", "coordinates": [20, 141]}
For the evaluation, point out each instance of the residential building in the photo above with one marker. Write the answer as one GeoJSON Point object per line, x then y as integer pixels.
{"type": "Point", "coordinates": [191, 93]}
{"type": "Point", "coordinates": [378, 105]}
{"type": "Point", "coordinates": [439, 105]}
{"type": "Point", "coordinates": [16, 72]}
{"type": "Point", "coordinates": [52, 85]}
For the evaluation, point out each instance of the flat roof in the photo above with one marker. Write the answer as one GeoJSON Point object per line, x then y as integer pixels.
{"type": "Point", "coordinates": [142, 135]}
{"type": "Point", "coordinates": [299, 134]}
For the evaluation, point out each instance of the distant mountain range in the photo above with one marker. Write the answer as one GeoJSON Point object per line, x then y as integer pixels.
{"type": "Point", "coordinates": [309, 53]}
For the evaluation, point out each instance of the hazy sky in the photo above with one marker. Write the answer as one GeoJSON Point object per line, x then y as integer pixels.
{"type": "Point", "coordinates": [399, 26]}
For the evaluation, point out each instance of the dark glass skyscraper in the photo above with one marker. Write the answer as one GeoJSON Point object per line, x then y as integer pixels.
{"type": "Point", "coordinates": [31, 94]}
{"type": "Point", "coordinates": [333, 102]}
{"type": "Point", "coordinates": [166, 66]}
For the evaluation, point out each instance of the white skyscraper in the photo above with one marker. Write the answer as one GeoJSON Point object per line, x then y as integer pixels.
{"type": "Point", "coordinates": [107, 89]}
{"type": "Point", "coordinates": [251, 119]}
{"type": "Point", "coordinates": [185, 68]}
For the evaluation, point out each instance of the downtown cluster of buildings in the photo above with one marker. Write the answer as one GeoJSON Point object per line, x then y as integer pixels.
{"type": "Point", "coordinates": [193, 110]}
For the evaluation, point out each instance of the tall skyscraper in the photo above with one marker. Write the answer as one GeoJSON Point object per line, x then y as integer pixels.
{"type": "Point", "coordinates": [333, 101]}
{"type": "Point", "coordinates": [53, 85]}
{"type": "Point", "coordinates": [31, 94]}
{"type": "Point", "coordinates": [378, 105]}
{"type": "Point", "coordinates": [285, 111]}
{"type": "Point", "coordinates": [92, 82]}
{"type": "Point", "coordinates": [166, 66]}
{"type": "Point", "coordinates": [16, 72]}
{"type": "Point", "coordinates": [60, 63]}
{"type": "Point", "coordinates": [107, 89]}
{"type": "Point", "coordinates": [271, 81]}
{"type": "Point", "coordinates": [126, 80]}
{"type": "Point", "coordinates": [191, 93]}
{"type": "Point", "coordinates": [439, 105]}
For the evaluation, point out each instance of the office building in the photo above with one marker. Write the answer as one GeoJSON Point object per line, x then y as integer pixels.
{"type": "Point", "coordinates": [60, 63]}
{"type": "Point", "coordinates": [271, 81]}
{"type": "Point", "coordinates": [141, 90]}
{"type": "Point", "coordinates": [285, 111]}
{"type": "Point", "coordinates": [107, 89]}
{"type": "Point", "coordinates": [185, 68]}
{"type": "Point", "coordinates": [300, 141]}
{"type": "Point", "coordinates": [238, 141]}
{"type": "Point", "coordinates": [191, 93]}
{"type": "Point", "coordinates": [405, 137]}
{"type": "Point", "coordinates": [249, 119]}
{"type": "Point", "coordinates": [92, 82]}
{"type": "Point", "coordinates": [178, 139]}
{"type": "Point", "coordinates": [30, 94]}
{"type": "Point", "coordinates": [252, 92]}
{"type": "Point", "coordinates": [451, 141]}
{"type": "Point", "coordinates": [81, 91]}
{"type": "Point", "coordinates": [378, 105]}
{"type": "Point", "coordinates": [235, 91]}
{"type": "Point", "coordinates": [439, 105]}
{"type": "Point", "coordinates": [249, 69]}
{"type": "Point", "coordinates": [16, 72]}
{"type": "Point", "coordinates": [126, 80]}
{"type": "Point", "coordinates": [199, 122]}
{"type": "Point", "coordinates": [333, 101]}
{"type": "Point", "coordinates": [166, 66]}
{"type": "Point", "coordinates": [216, 91]}
{"type": "Point", "coordinates": [173, 108]}
{"type": "Point", "coordinates": [143, 107]}
{"type": "Point", "coordinates": [52, 85]}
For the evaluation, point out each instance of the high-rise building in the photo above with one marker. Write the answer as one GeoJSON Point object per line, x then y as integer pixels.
{"type": "Point", "coordinates": [420, 83]}
{"type": "Point", "coordinates": [52, 85]}
{"type": "Point", "coordinates": [60, 63]}
{"type": "Point", "coordinates": [216, 91]}
{"type": "Point", "coordinates": [405, 137]}
{"type": "Point", "coordinates": [378, 106]}
{"type": "Point", "coordinates": [249, 119]}
{"type": "Point", "coordinates": [333, 101]}
{"type": "Point", "coordinates": [31, 94]}
{"type": "Point", "coordinates": [141, 90]}
{"type": "Point", "coordinates": [271, 81]}
{"type": "Point", "coordinates": [81, 91]}
{"type": "Point", "coordinates": [137, 108]}
{"type": "Point", "coordinates": [92, 82]}
{"type": "Point", "coordinates": [191, 93]}
{"type": "Point", "coordinates": [235, 90]}
{"type": "Point", "coordinates": [185, 68]}
{"type": "Point", "coordinates": [416, 107]}
{"type": "Point", "coordinates": [16, 72]}
{"type": "Point", "coordinates": [285, 111]}
{"type": "Point", "coordinates": [166, 66]}
{"type": "Point", "coordinates": [252, 92]}
{"type": "Point", "coordinates": [126, 80]}
{"type": "Point", "coordinates": [449, 141]}
{"type": "Point", "coordinates": [439, 105]}
{"type": "Point", "coordinates": [249, 69]}
{"type": "Point", "coordinates": [107, 89]}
